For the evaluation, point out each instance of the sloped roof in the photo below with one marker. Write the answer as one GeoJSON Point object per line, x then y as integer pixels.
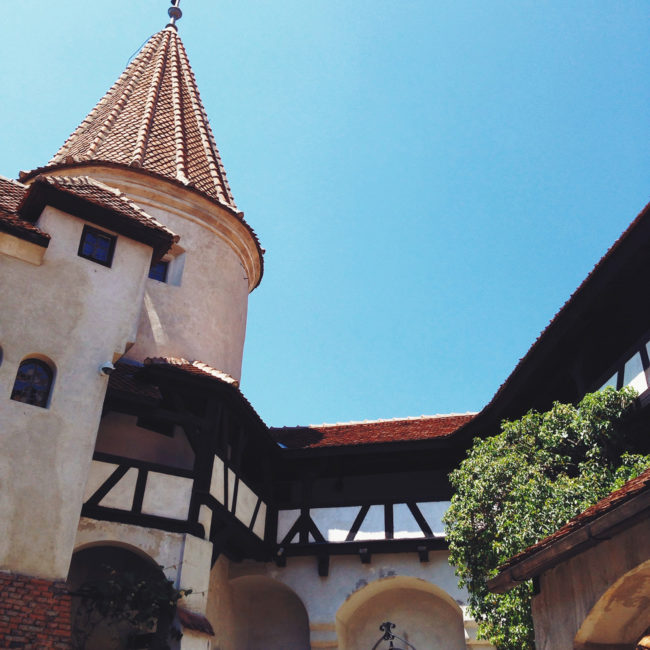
{"type": "Point", "coordinates": [98, 203]}
{"type": "Point", "coordinates": [11, 195]}
{"type": "Point", "coordinates": [631, 489]}
{"type": "Point", "coordinates": [588, 291]}
{"type": "Point", "coordinates": [562, 537]}
{"type": "Point", "coordinates": [197, 368]}
{"type": "Point", "coordinates": [424, 427]}
{"type": "Point", "coordinates": [153, 118]}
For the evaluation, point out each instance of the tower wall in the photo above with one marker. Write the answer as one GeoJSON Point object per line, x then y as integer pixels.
{"type": "Point", "coordinates": [200, 314]}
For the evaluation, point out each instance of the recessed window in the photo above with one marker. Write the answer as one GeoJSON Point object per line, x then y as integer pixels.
{"type": "Point", "coordinates": [33, 383]}
{"type": "Point", "coordinates": [158, 270]}
{"type": "Point", "coordinates": [97, 245]}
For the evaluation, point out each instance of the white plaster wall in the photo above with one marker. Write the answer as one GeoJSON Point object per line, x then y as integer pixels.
{"type": "Point", "coordinates": [421, 618]}
{"type": "Point", "coordinates": [268, 615]}
{"type": "Point", "coordinates": [79, 314]}
{"type": "Point", "coordinates": [323, 597]}
{"type": "Point", "coordinates": [205, 317]}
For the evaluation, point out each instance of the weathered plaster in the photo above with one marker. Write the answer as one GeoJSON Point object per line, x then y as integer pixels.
{"type": "Point", "coordinates": [598, 596]}
{"type": "Point", "coordinates": [205, 317]}
{"type": "Point", "coordinates": [78, 314]}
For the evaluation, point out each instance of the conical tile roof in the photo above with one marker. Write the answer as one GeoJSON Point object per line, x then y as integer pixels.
{"type": "Point", "coordinates": [153, 118]}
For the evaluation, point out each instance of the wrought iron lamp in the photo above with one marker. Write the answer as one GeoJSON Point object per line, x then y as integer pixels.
{"type": "Point", "coordinates": [390, 637]}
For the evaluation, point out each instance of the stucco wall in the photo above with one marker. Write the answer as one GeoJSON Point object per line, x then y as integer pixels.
{"type": "Point", "coordinates": [569, 592]}
{"type": "Point", "coordinates": [205, 317]}
{"type": "Point", "coordinates": [325, 598]}
{"type": "Point", "coordinates": [78, 314]}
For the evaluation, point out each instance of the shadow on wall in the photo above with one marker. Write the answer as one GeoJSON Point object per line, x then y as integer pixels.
{"type": "Point", "coordinates": [425, 615]}
{"type": "Point", "coordinates": [269, 615]}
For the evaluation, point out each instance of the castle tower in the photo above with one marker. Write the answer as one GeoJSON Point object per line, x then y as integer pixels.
{"type": "Point", "coordinates": [149, 137]}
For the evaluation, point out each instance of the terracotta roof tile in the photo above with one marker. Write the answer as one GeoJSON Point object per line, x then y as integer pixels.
{"type": "Point", "coordinates": [374, 432]}
{"type": "Point", "coordinates": [196, 368]}
{"type": "Point", "coordinates": [201, 371]}
{"type": "Point", "coordinates": [107, 197]}
{"type": "Point", "coordinates": [153, 118]}
{"type": "Point", "coordinates": [631, 489]}
{"type": "Point", "coordinates": [11, 195]}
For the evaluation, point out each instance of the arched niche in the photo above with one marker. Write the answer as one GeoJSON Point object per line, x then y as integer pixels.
{"type": "Point", "coordinates": [95, 562]}
{"type": "Point", "coordinates": [425, 615]}
{"type": "Point", "coordinates": [268, 615]}
{"type": "Point", "coordinates": [621, 615]}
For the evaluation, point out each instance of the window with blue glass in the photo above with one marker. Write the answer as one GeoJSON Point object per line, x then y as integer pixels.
{"type": "Point", "coordinates": [158, 271]}
{"type": "Point", "coordinates": [33, 383]}
{"type": "Point", "coordinates": [97, 245]}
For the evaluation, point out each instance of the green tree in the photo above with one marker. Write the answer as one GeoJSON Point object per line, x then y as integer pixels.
{"type": "Point", "coordinates": [521, 485]}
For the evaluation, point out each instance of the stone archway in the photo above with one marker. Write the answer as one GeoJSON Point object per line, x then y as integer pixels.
{"type": "Point", "coordinates": [95, 562]}
{"type": "Point", "coordinates": [268, 614]}
{"type": "Point", "coordinates": [425, 615]}
{"type": "Point", "coordinates": [621, 615]}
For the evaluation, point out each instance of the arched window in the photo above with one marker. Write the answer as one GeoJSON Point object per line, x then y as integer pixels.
{"type": "Point", "coordinates": [33, 383]}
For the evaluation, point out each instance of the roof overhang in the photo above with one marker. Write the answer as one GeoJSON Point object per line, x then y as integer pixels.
{"type": "Point", "coordinates": [548, 556]}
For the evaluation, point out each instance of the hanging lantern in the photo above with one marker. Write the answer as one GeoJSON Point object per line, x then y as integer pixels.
{"type": "Point", "coordinates": [388, 635]}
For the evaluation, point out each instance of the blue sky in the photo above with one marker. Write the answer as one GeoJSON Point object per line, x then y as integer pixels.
{"type": "Point", "coordinates": [431, 180]}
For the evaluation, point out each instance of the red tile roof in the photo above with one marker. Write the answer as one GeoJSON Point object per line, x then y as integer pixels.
{"type": "Point", "coordinates": [630, 490]}
{"type": "Point", "coordinates": [153, 118]}
{"type": "Point", "coordinates": [196, 368]}
{"type": "Point", "coordinates": [11, 195]}
{"type": "Point", "coordinates": [368, 433]}
{"type": "Point", "coordinates": [107, 197]}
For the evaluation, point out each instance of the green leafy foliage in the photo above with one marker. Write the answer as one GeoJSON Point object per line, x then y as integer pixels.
{"type": "Point", "coordinates": [521, 485]}
{"type": "Point", "coordinates": [122, 600]}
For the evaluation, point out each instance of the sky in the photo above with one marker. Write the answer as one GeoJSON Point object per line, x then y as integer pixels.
{"type": "Point", "coordinates": [431, 180]}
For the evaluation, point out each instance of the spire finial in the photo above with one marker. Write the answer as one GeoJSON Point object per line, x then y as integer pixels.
{"type": "Point", "coordinates": [174, 12]}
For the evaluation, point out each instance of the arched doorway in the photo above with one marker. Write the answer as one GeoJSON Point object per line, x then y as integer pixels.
{"type": "Point", "coordinates": [268, 615]}
{"type": "Point", "coordinates": [424, 615]}
{"type": "Point", "coordinates": [104, 570]}
{"type": "Point", "coordinates": [621, 615]}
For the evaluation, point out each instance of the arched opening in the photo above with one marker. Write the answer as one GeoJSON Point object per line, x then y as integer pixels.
{"type": "Point", "coordinates": [34, 381]}
{"type": "Point", "coordinates": [268, 615]}
{"type": "Point", "coordinates": [110, 570]}
{"type": "Point", "coordinates": [425, 616]}
{"type": "Point", "coordinates": [621, 615]}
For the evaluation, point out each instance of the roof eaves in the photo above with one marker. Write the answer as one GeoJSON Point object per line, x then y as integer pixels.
{"type": "Point", "coordinates": [617, 511]}
{"type": "Point", "coordinates": [26, 176]}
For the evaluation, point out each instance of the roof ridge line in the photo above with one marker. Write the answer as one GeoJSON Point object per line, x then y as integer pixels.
{"type": "Point", "coordinates": [59, 155]}
{"type": "Point", "coordinates": [207, 138]}
{"type": "Point", "coordinates": [150, 104]}
{"type": "Point", "coordinates": [180, 159]}
{"type": "Point", "coordinates": [121, 102]}
{"type": "Point", "coordinates": [410, 418]}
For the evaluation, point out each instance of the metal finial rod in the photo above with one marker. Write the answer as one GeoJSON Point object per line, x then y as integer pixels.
{"type": "Point", "coordinates": [174, 12]}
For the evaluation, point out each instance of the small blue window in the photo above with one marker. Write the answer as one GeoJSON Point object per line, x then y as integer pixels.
{"type": "Point", "coordinates": [158, 271]}
{"type": "Point", "coordinates": [97, 246]}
